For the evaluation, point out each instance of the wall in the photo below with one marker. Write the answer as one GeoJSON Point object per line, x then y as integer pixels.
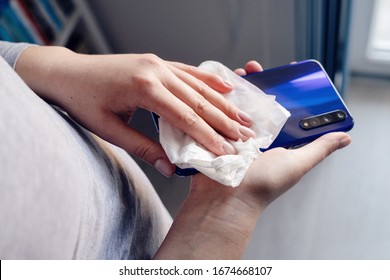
{"type": "Point", "coordinates": [230, 31]}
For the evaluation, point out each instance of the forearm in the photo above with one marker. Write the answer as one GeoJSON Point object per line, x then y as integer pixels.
{"type": "Point", "coordinates": [46, 70]}
{"type": "Point", "coordinates": [215, 222]}
{"type": "Point", "coordinates": [78, 83]}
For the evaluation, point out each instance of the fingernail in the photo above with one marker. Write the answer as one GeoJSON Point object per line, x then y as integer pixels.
{"type": "Point", "coordinates": [163, 167]}
{"type": "Point", "coordinates": [245, 117]}
{"type": "Point", "coordinates": [247, 132]}
{"type": "Point", "coordinates": [228, 148]}
{"type": "Point", "coordinates": [229, 84]}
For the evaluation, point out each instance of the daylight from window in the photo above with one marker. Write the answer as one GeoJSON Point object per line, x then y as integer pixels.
{"type": "Point", "coordinates": [379, 43]}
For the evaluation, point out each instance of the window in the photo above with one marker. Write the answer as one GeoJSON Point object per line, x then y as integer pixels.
{"type": "Point", "coordinates": [379, 38]}
{"type": "Point", "coordinates": [369, 44]}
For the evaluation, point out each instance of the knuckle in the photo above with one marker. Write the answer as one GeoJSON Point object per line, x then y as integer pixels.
{"type": "Point", "coordinates": [192, 69]}
{"type": "Point", "coordinates": [330, 146]}
{"type": "Point", "coordinates": [229, 126]}
{"type": "Point", "coordinates": [143, 151]}
{"type": "Point", "coordinates": [215, 139]}
{"type": "Point", "coordinates": [228, 108]}
{"type": "Point", "coordinates": [190, 118]}
{"type": "Point", "coordinates": [146, 80]}
{"type": "Point", "coordinates": [149, 64]}
{"type": "Point", "coordinates": [150, 59]}
{"type": "Point", "coordinates": [202, 105]}
{"type": "Point", "coordinates": [202, 88]}
{"type": "Point", "coordinates": [144, 83]}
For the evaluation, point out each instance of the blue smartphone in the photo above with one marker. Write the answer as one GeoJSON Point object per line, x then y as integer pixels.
{"type": "Point", "coordinates": [305, 90]}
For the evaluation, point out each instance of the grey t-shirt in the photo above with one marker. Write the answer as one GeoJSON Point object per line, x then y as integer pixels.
{"type": "Point", "coordinates": [64, 192]}
{"type": "Point", "coordinates": [11, 51]}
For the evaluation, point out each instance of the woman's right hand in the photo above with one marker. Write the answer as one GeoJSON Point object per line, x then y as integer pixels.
{"type": "Point", "coordinates": [102, 92]}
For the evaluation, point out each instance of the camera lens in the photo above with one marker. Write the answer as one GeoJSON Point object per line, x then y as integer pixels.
{"type": "Point", "coordinates": [341, 115]}
{"type": "Point", "coordinates": [314, 121]}
{"type": "Point", "coordinates": [327, 118]}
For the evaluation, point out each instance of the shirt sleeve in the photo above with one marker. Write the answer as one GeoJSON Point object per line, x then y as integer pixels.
{"type": "Point", "coordinates": [11, 51]}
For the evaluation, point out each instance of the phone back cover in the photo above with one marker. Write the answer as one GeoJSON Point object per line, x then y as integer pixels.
{"type": "Point", "coordinates": [305, 90]}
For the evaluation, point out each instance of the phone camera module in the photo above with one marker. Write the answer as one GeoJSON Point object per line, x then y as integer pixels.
{"type": "Point", "coordinates": [323, 119]}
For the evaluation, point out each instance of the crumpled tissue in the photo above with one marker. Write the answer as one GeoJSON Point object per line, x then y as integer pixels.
{"type": "Point", "coordinates": [268, 119]}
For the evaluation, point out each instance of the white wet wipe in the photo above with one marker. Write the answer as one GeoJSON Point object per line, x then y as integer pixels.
{"type": "Point", "coordinates": [268, 119]}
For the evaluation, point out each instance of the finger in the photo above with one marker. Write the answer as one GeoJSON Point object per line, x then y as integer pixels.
{"type": "Point", "coordinates": [207, 103]}
{"type": "Point", "coordinates": [212, 80]}
{"type": "Point", "coordinates": [280, 169]}
{"type": "Point", "coordinates": [312, 154]}
{"type": "Point", "coordinates": [252, 67]}
{"type": "Point", "coordinates": [121, 135]}
{"type": "Point", "coordinates": [240, 71]}
{"type": "Point", "coordinates": [214, 97]}
{"type": "Point", "coordinates": [182, 116]}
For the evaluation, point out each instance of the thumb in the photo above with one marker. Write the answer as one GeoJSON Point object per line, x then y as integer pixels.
{"type": "Point", "coordinates": [313, 153]}
{"type": "Point", "coordinates": [135, 143]}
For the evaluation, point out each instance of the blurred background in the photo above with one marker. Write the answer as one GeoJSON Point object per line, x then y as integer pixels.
{"type": "Point", "coordinates": [341, 209]}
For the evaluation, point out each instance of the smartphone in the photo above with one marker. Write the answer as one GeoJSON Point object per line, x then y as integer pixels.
{"type": "Point", "coordinates": [305, 90]}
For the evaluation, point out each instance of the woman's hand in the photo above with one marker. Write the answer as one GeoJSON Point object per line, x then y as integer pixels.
{"type": "Point", "coordinates": [278, 169]}
{"type": "Point", "coordinates": [102, 92]}
{"type": "Point", "coordinates": [216, 222]}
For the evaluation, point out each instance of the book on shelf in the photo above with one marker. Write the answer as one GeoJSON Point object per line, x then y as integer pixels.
{"type": "Point", "coordinates": [79, 43]}
{"type": "Point", "coordinates": [66, 6]}
{"type": "Point", "coordinates": [34, 21]}
{"type": "Point", "coordinates": [5, 34]}
{"type": "Point", "coordinates": [50, 14]}
{"type": "Point", "coordinates": [12, 23]}
{"type": "Point", "coordinates": [25, 17]}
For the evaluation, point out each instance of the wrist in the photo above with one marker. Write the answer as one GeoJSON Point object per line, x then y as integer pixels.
{"type": "Point", "coordinates": [42, 69]}
{"type": "Point", "coordinates": [215, 222]}
{"type": "Point", "coordinates": [241, 205]}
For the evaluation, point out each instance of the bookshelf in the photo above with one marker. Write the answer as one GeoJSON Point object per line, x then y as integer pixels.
{"type": "Point", "coordinates": [67, 23]}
